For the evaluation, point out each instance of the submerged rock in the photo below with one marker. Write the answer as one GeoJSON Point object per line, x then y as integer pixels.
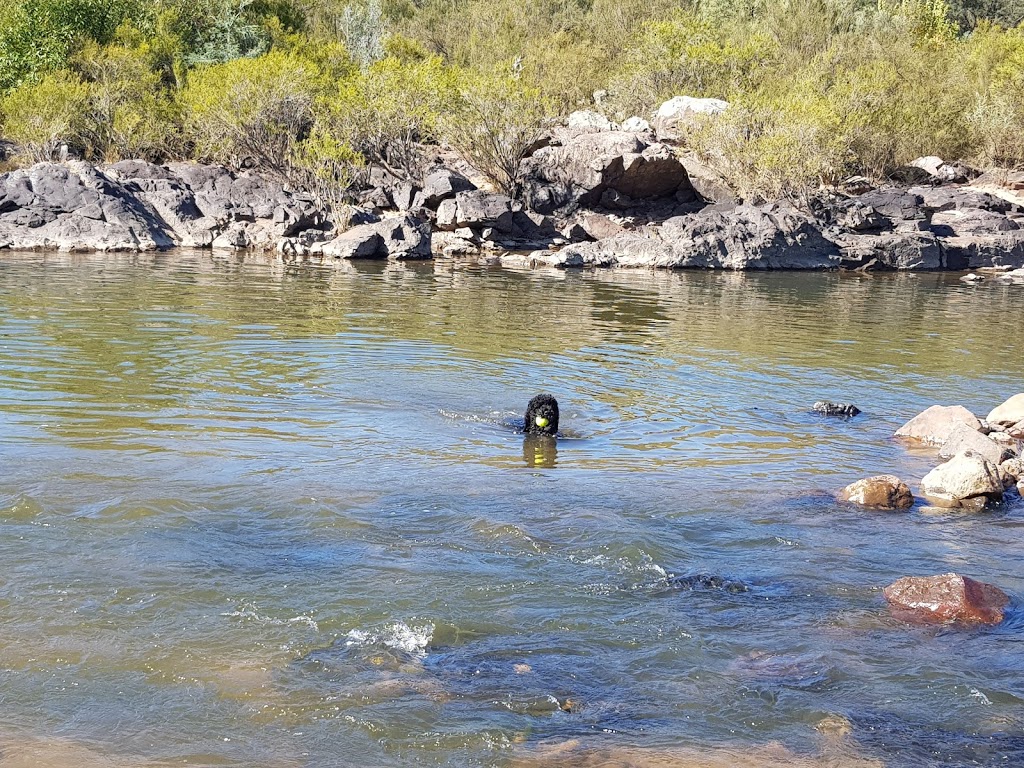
{"type": "Point", "coordinates": [708, 581]}
{"type": "Point", "coordinates": [879, 492]}
{"type": "Point", "coordinates": [934, 425]}
{"type": "Point", "coordinates": [967, 480]}
{"type": "Point", "coordinates": [946, 598]}
{"type": "Point", "coordinates": [827, 408]}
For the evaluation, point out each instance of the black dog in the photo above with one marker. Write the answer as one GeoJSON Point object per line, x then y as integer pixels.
{"type": "Point", "coordinates": [541, 416]}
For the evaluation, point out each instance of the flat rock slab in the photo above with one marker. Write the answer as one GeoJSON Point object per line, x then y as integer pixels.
{"type": "Point", "coordinates": [934, 425]}
{"type": "Point", "coordinates": [879, 492]}
{"type": "Point", "coordinates": [945, 599]}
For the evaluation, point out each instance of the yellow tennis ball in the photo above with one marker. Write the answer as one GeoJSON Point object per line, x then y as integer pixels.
{"type": "Point", "coordinates": [541, 422]}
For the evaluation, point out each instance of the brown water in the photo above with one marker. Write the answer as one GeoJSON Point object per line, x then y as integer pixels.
{"type": "Point", "coordinates": [262, 517]}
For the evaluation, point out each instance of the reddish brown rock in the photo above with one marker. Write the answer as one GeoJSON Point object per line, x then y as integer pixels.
{"type": "Point", "coordinates": [935, 424]}
{"type": "Point", "coordinates": [946, 599]}
{"type": "Point", "coordinates": [879, 492]}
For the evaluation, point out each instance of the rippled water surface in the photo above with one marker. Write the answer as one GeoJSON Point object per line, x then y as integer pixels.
{"type": "Point", "coordinates": [260, 517]}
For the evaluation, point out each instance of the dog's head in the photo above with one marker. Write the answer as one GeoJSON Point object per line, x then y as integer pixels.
{"type": "Point", "coordinates": [541, 416]}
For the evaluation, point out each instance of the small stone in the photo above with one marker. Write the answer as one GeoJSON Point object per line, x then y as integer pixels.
{"type": "Point", "coordinates": [879, 492]}
{"type": "Point", "coordinates": [934, 425]}
{"type": "Point", "coordinates": [946, 598]}
{"type": "Point", "coordinates": [522, 669]}
{"type": "Point", "coordinates": [1014, 468]}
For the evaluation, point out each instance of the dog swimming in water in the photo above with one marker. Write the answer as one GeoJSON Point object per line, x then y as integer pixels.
{"type": "Point", "coordinates": [541, 416]}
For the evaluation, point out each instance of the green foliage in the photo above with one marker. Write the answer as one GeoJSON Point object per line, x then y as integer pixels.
{"type": "Point", "coordinates": [250, 110]}
{"type": "Point", "coordinates": [42, 116]}
{"type": "Point", "coordinates": [127, 113]}
{"type": "Point", "coordinates": [495, 123]}
{"type": "Point", "coordinates": [385, 112]}
{"type": "Point", "coordinates": [40, 35]}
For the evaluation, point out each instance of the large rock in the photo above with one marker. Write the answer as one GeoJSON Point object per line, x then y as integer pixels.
{"type": "Point", "coordinates": [934, 425]}
{"type": "Point", "coordinates": [948, 598]}
{"type": "Point", "coordinates": [400, 238]}
{"type": "Point", "coordinates": [478, 210]}
{"type": "Point", "coordinates": [917, 251]}
{"type": "Point", "coordinates": [879, 492]}
{"type": "Point", "coordinates": [587, 121]}
{"type": "Point", "coordinates": [679, 113]}
{"type": "Point", "coordinates": [962, 439]}
{"type": "Point", "coordinates": [744, 238]}
{"type": "Point", "coordinates": [1009, 412]}
{"type": "Point", "coordinates": [439, 185]}
{"type": "Point", "coordinates": [967, 480]}
{"type": "Point", "coordinates": [585, 168]}
{"type": "Point", "coordinates": [75, 207]}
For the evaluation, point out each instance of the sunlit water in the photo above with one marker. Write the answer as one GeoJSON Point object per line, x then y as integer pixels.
{"type": "Point", "coordinates": [262, 517]}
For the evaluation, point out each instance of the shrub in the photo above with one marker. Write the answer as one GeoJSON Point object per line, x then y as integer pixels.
{"type": "Point", "coordinates": [494, 126]}
{"type": "Point", "coordinates": [785, 145]}
{"type": "Point", "coordinates": [41, 116]}
{"type": "Point", "coordinates": [386, 112]}
{"type": "Point", "coordinates": [127, 113]}
{"type": "Point", "coordinates": [41, 35]}
{"type": "Point", "coordinates": [250, 111]}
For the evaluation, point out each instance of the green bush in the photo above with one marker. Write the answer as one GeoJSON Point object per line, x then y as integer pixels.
{"type": "Point", "coordinates": [41, 35]}
{"type": "Point", "coordinates": [387, 111]}
{"type": "Point", "coordinates": [495, 123]}
{"type": "Point", "coordinates": [250, 111]}
{"type": "Point", "coordinates": [128, 114]}
{"type": "Point", "coordinates": [42, 116]}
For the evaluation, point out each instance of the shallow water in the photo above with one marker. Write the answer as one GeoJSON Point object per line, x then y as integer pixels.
{"type": "Point", "coordinates": [263, 517]}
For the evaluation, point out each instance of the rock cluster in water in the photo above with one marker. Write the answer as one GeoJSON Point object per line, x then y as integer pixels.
{"type": "Point", "coordinates": [594, 194]}
{"type": "Point", "coordinates": [982, 462]}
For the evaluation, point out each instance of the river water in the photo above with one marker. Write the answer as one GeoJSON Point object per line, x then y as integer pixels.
{"type": "Point", "coordinates": [251, 516]}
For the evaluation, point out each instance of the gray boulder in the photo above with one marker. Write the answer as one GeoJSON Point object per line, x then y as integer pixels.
{"type": "Point", "coordinates": [934, 425]}
{"type": "Point", "coordinates": [401, 238]}
{"type": "Point", "coordinates": [917, 251]}
{"type": "Point", "coordinates": [439, 185]}
{"type": "Point", "coordinates": [1009, 412]}
{"type": "Point", "coordinates": [478, 210]}
{"type": "Point", "coordinates": [75, 207]}
{"type": "Point", "coordinates": [578, 172]}
{"type": "Point", "coordinates": [962, 438]}
{"type": "Point", "coordinates": [744, 238]}
{"type": "Point", "coordinates": [679, 113]}
{"type": "Point", "coordinates": [588, 121]}
{"type": "Point", "coordinates": [967, 480]}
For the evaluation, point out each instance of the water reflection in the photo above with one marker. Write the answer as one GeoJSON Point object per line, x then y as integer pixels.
{"type": "Point", "coordinates": [540, 451]}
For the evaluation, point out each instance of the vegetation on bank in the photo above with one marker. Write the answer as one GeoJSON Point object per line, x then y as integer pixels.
{"type": "Point", "coordinates": [321, 91]}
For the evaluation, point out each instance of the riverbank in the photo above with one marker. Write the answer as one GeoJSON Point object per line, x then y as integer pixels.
{"type": "Point", "coordinates": [595, 195]}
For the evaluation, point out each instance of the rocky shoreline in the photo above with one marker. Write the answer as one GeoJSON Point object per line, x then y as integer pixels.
{"type": "Point", "coordinates": [594, 195]}
{"type": "Point", "coordinates": [981, 466]}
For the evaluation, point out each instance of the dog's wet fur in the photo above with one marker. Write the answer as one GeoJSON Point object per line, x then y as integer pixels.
{"type": "Point", "coordinates": [544, 406]}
